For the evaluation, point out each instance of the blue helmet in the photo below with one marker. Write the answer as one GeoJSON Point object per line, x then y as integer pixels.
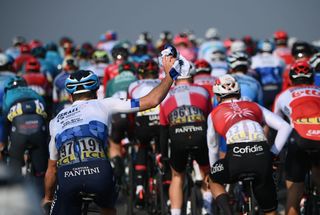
{"type": "Point", "coordinates": [82, 81]}
{"type": "Point", "coordinates": [265, 46]}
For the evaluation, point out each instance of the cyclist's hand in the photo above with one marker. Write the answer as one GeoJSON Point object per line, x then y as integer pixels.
{"type": "Point", "coordinates": [46, 206]}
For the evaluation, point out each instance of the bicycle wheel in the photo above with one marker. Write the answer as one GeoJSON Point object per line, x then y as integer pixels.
{"type": "Point", "coordinates": [196, 200]}
{"type": "Point", "coordinates": [130, 186]}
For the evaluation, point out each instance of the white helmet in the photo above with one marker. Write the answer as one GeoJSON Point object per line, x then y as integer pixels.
{"type": "Point", "coordinates": [212, 33]}
{"type": "Point", "coordinates": [226, 85]}
{"type": "Point", "coordinates": [238, 46]}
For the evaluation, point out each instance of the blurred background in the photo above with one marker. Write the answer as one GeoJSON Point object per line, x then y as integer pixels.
{"type": "Point", "coordinates": [85, 20]}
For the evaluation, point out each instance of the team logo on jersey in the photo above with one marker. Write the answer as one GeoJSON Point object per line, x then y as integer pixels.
{"type": "Point", "coordinates": [67, 114]}
{"type": "Point", "coordinates": [217, 168]}
{"type": "Point", "coordinates": [237, 112]}
{"type": "Point", "coordinates": [305, 92]}
{"type": "Point", "coordinates": [247, 149]}
{"type": "Point", "coordinates": [81, 171]}
{"type": "Point", "coordinates": [313, 120]}
{"type": "Point", "coordinates": [313, 132]}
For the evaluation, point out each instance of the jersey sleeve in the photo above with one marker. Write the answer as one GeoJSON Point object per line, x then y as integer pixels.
{"type": "Point", "coordinates": [280, 125]}
{"type": "Point", "coordinates": [52, 146]}
{"type": "Point", "coordinates": [115, 105]}
{"type": "Point", "coordinates": [212, 142]}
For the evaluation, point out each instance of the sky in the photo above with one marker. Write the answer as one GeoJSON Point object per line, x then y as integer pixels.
{"type": "Point", "coordinates": [85, 20]}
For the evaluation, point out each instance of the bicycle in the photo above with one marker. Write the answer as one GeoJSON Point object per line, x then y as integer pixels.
{"type": "Point", "coordinates": [126, 184]}
{"type": "Point", "coordinates": [310, 202]}
{"type": "Point", "coordinates": [192, 199]}
{"type": "Point", "coordinates": [244, 196]}
{"type": "Point", "coordinates": [87, 199]}
{"type": "Point", "coordinates": [156, 193]}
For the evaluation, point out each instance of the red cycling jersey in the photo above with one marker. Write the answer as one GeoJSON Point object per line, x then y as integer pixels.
{"type": "Point", "coordinates": [185, 103]}
{"type": "Point", "coordinates": [301, 104]}
{"type": "Point", "coordinates": [229, 114]}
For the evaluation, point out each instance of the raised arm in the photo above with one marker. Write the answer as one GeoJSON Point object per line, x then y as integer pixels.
{"type": "Point", "coordinates": [158, 93]}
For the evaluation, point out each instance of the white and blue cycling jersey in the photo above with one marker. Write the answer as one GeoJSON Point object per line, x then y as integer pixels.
{"type": "Point", "coordinates": [251, 89]}
{"type": "Point", "coordinates": [269, 68]}
{"type": "Point", "coordinates": [84, 125]}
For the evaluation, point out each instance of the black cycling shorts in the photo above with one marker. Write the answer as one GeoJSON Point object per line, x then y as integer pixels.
{"type": "Point", "coordinates": [254, 157]}
{"type": "Point", "coordinates": [183, 137]}
{"type": "Point", "coordinates": [29, 131]}
{"type": "Point", "coordinates": [299, 161]}
{"type": "Point", "coordinates": [94, 177]}
{"type": "Point", "coordinates": [120, 126]}
{"type": "Point", "coordinates": [146, 129]}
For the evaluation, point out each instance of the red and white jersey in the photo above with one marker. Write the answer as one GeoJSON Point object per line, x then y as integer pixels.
{"type": "Point", "coordinates": [242, 121]}
{"type": "Point", "coordinates": [285, 54]}
{"type": "Point", "coordinates": [111, 71]}
{"type": "Point", "coordinates": [141, 88]}
{"type": "Point", "coordinates": [206, 81]}
{"type": "Point", "coordinates": [301, 104]}
{"type": "Point", "coordinates": [185, 103]}
{"type": "Point", "coordinates": [38, 82]}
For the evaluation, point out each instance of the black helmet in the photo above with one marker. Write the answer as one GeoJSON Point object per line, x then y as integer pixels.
{"type": "Point", "coordinates": [148, 67]}
{"type": "Point", "coordinates": [301, 49]}
{"type": "Point", "coordinates": [120, 53]}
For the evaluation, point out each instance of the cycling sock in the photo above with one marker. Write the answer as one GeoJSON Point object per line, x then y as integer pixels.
{"type": "Point", "coordinates": [175, 211]}
{"type": "Point", "coordinates": [223, 202]}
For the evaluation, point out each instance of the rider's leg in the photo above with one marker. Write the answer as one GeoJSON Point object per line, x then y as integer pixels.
{"type": "Point", "coordinates": [221, 197]}
{"type": "Point", "coordinates": [294, 195]}
{"type": "Point", "coordinates": [176, 190]}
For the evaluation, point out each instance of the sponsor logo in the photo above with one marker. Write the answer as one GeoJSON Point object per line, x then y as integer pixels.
{"type": "Point", "coordinates": [69, 113]}
{"type": "Point", "coordinates": [188, 129]}
{"type": "Point", "coordinates": [217, 168]}
{"type": "Point", "coordinates": [313, 133]}
{"type": "Point", "coordinates": [312, 120]}
{"type": "Point", "coordinates": [306, 92]}
{"type": "Point", "coordinates": [247, 149]}
{"type": "Point", "coordinates": [81, 171]}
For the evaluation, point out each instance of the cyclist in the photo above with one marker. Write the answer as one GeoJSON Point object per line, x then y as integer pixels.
{"type": "Point", "coordinates": [238, 46]}
{"type": "Point", "coordinates": [37, 80]}
{"type": "Point", "coordinates": [78, 136]}
{"type": "Point", "coordinates": [100, 62]}
{"type": "Point", "coordinates": [107, 41]}
{"type": "Point", "coordinates": [146, 125]}
{"type": "Point", "coordinates": [120, 55]}
{"type": "Point", "coordinates": [300, 50]}
{"type": "Point", "coordinates": [52, 54]}
{"type": "Point", "coordinates": [203, 76]}
{"type": "Point", "coordinates": [216, 56]}
{"type": "Point", "coordinates": [118, 88]}
{"type": "Point", "coordinates": [315, 64]}
{"type": "Point", "coordinates": [301, 105]}
{"type": "Point", "coordinates": [5, 74]}
{"type": "Point", "coordinates": [14, 51]}
{"type": "Point", "coordinates": [46, 68]}
{"type": "Point", "coordinates": [25, 54]}
{"type": "Point", "coordinates": [183, 120]}
{"type": "Point", "coordinates": [164, 39]}
{"type": "Point", "coordinates": [26, 118]}
{"type": "Point", "coordinates": [184, 46]}
{"type": "Point", "coordinates": [140, 52]}
{"type": "Point", "coordinates": [60, 96]}
{"type": "Point", "coordinates": [250, 88]}
{"type": "Point", "coordinates": [269, 69]}
{"type": "Point", "coordinates": [211, 37]}
{"type": "Point", "coordinates": [240, 123]}
{"type": "Point", "coordinates": [281, 49]}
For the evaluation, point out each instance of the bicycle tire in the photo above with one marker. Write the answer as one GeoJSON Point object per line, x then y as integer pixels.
{"type": "Point", "coordinates": [196, 199]}
{"type": "Point", "coordinates": [130, 201]}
